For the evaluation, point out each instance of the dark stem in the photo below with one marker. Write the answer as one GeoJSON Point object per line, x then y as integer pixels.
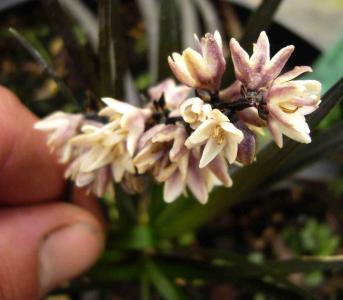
{"type": "Point", "coordinates": [238, 105]}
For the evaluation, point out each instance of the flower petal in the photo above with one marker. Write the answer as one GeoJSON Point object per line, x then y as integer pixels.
{"type": "Point", "coordinates": [231, 150]}
{"type": "Point", "coordinates": [211, 150]}
{"type": "Point", "coordinates": [297, 71]}
{"type": "Point", "coordinates": [240, 61]}
{"type": "Point", "coordinates": [197, 67]}
{"type": "Point", "coordinates": [219, 168]}
{"type": "Point", "coordinates": [277, 63]}
{"type": "Point", "coordinates": [196, 182]}
{"type": "Point", "coordinates": [202, 132]}
{"type": "Point", "coordinates": [260, 54]}
{"type": "Point", "coordinates": [275, 131]}
{"type": "Point", "coordinates": [173, 187]}
{"type": "Point", "coordinates": [180, 71]}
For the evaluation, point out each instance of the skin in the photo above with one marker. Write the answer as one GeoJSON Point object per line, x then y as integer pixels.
{"type": "Point", "coordinates": [43, 241]}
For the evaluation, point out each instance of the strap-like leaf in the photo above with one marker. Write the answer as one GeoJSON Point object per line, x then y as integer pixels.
{"type": "Point", "coordinates": [85, 18]}
{"type": "Point", "coordinates": [163, 284]}
{"type": "Point", "coordinates": [190, 22]}
{"type": "Point", "coordinates": [169, 36]}
{"type": "Point", "coordinates": [209, 15]}
{"type": "Point", "coordinates": [111, 49]}
{"type": "Point", "coordinates": [307, 264]}
{"type": "Point", "coordinates": [322, 145]}
{"type": "Point", "coordinates": [251, 277]}
{"type": "Point", "coordinates": [149, 10]}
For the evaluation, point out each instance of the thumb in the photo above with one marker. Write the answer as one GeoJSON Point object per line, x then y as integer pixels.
{"type": "Point", "coordinates": [43, 245]}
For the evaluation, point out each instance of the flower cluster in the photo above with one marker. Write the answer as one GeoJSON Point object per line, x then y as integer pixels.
{"type": "Point", "coordinates": [187, 135]}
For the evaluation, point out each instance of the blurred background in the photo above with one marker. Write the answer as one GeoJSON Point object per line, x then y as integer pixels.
{"type": "Point", "coordinates": [300, 215]}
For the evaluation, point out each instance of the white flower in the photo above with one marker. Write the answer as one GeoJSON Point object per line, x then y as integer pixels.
{"type": "Point", "coordinates": [218, 134]}
{"type": "Point", "coordinates": [61, 127]}
{"type": "Point", "coordinates": [201, 68]}
{"type": "Point", "coordinates": [97, 181]}
{"type": "Point", "coordinates": [132, 120]}
{"type": "Point", "coordinates": [106, 145]}
{"type": "Point", "coordinates": [194, 111]}
{"type": "Point", "coordinates": [288, 101]}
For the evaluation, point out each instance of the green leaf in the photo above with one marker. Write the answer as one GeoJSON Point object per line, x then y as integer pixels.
{"type": "Point", "coordinates": [163, 284]}
{"type": "Point", "coordinates": [182, 216]}
{"type": "Point", "coordinates": [251, 277]}
{"type": "Point", "coordinates": [41, 59]}
{"type": "Point", "coordinates": [111, 256]}
{"type": "Point", "coordinates": [126, 207]}
{"type": "Point", "coordinates": [323, 145]}
{"type": "Point", "coordinates": [307, 264]}
{"type": "Point", "coordinates": [169, 37]}
{"type": "Point", "coordinates": [112, 53]}
{"type": "Point", "coordinates": [118, 272]}
{"type": "Point", "coordinates": [136, 238]}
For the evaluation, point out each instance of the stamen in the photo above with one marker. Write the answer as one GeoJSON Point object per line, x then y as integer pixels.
{"type": "Point", "coordinates": [219, 135]}
{"type": "Point", "coordinates": [288, 110]}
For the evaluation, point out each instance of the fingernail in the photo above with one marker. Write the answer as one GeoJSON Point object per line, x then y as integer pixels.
{"type": "Point", "coordinates": [67, 252]}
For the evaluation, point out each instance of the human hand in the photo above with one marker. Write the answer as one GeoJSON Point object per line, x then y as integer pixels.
{"type": "Point", "coordinates": [42, 242]}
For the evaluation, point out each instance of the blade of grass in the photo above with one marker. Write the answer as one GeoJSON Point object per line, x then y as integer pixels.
{"type": "Point", "coordinates": [247, 180]}
{"type": "Point", "coordinates": [111, 49]}
{"type": "Point", "coordinates": [253, 278]}
{"type": "Point", "coordinates": [45, 65]}
{"type": "Point", "coordinates": [149, 10]}
{"type": "Point", "coordinates": [169, 36]}
{"type": "Point", "coordinates": [307, 264]}
{"type": "Point", "coordinates": [189, 21]}
{"type": "Point", "coordinates": [322, 145]}
{"type": "Point", "coordinates": [162, 283]}
{"type": "Point", "coordinates": [209, 14]}
{"type": "Point", "coordinates": [85, 18]}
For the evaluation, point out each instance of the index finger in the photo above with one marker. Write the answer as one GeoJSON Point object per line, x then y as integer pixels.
{"type": "Point", "coordinates": [28, 172]}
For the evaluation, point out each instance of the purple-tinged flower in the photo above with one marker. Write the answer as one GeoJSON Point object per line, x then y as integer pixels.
{"type": "Point", "coordinates": [218, 134]}
{"type": "Point", "coordinates": [61, 127]}
{"type": "Point", "coordinates": [162, 151]}
{"type": "Point", "coordinates": [258, 70]}
{"type": "Point", "coordinates": [97, 181]}
{"type": "Point", "coordinates": [247, 148]}
{"type": "Point", "coordinates": [173, 94]}
{"type": "Point", "coordinates": [201, 68]}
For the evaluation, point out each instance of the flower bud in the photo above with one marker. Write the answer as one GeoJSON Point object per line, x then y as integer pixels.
{"type": "Point", "coordinates": [194, 111]}
{"type": "Point", "coordinates": [202, 68]}
{"type": "Point", "coordinates": [247, 148]}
